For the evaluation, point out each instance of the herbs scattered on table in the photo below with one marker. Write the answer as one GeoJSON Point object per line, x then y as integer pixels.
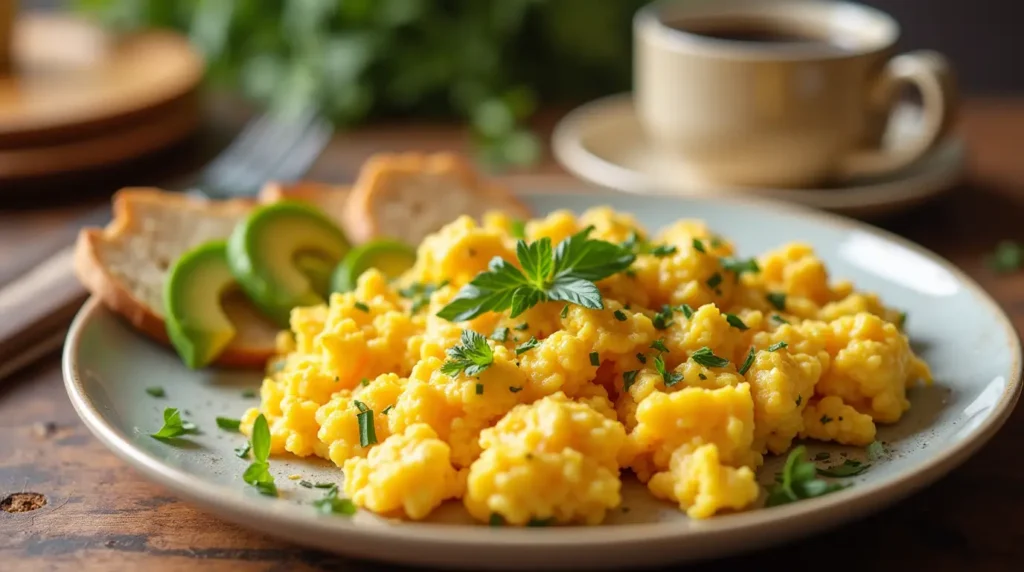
{"type": "Point", "coordinates": [566, 273]}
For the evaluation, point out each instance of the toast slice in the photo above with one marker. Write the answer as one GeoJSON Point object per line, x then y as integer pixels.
{"type": "Point", "coordinates": [410, 195]}
{"type": "Point", "coordinates": [331, 199]}
{"type": "Point", "coordinates": [125, 264]}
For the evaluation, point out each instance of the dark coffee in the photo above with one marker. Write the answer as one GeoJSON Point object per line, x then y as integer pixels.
{"type": "Point", "coordinates": [758, 33]}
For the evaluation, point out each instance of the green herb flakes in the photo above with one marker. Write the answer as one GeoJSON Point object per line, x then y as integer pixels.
{"type": "Point", "coordinates": [738, 266]}
{"type": "Point", "coordinates": [698, 246]}
{"type": "Point", "coordinates": [242, 451]}
{"type": "Point", "coordinates": [367, 431]}
{"type": "Point", "coordinates": [747, 362]}
{"type": "Point", "coordinates": [671, 378]}
{"type": "Point", "coordinates": [798, 480]}
{"type": "Point", "coordinates": [595, 359]}
{"type": "Point", "coordinates": [822, 456]}
{"type": "Point", "coordinates": [306, 484]}
{"type": "Point", "coordinates": [535, 522]}
{"type": "Point", "coordinates": [849, 468]}
{"type": "Point", "coordinates": [659, 345]}
{"type": "Point", "coordinates": [565, 312]}
{"type": "Point", "coordinates": [687, 311]}
{"type": "Point", "coordinates": [779, 319]}
{"type": "Point", "coordinates": [641, 357]}
{"type": "Point", "coordinates": [735, 321]}
{"type": "Point", "coordinates": [174, 426]}
{"type": "Point", "coordinates": [628, 379]}
{"type": "Point", "coordinates": [702, 376]}
{"type": "Point", "coordinates": [228, 424]}
{"type": "Point", "coordinates": [515, 389]}
{"type": "Point", "coordinates": [663, 250]}
{"type": "Point", "coordinates": [619, 315]}
{"type": "Point", "coordinates": [777, 346]}
{"type": "Point", "coordinates": [663, 319]}
{"type": "Point", "coordinates": [778, 300]}
{"type": "Point", "coordinates": [471, 356]}
{"type": "Point", "coordinates": [876, 450]}
{"type": "Point", "coordinates": [387, 409]}
{"type": "Point", "coordinates": [257, 473]}
{"type": "Point", "coordinates": [825, 419]}
{"type": "Point", "coordinates": [527, 345]}
{"type": "Point", "coordinates": [496, 520]}
{"type": "Point", "coordinates": [517, 228]}
{"type": "Point", "coordinates": [1007, 257]}
{"type": "Point", "coordinates": [331, 504]}
{"type": "Point", "coordinates": [156, 391]}
{"type": "Point", "coordinates": [479, 389]}
{"type": "Point", "coordinates": [249, 393]}
{"type": "Point", "coordinates": [714, 281]}
{"type": "Point", "coordinates": [361, 307]}
{"type": "Point", "coordinates": [705, 357]}
{"type": "Point", "coordinates": [500, 334]}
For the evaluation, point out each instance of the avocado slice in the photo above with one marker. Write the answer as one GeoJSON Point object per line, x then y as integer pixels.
{"type": "Point", "coordinates": [196, 323]}
{"type": "Point", "coordinates": [264, 253]}
{"type": "Point", "coordinates": [391, 257]}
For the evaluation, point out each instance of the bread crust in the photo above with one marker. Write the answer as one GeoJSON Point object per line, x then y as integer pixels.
{"type": "Point", "coordinates": [379, 170]}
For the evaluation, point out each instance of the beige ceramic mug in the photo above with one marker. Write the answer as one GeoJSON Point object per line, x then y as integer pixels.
{"type": "Point", "coordinates": [789, 93]}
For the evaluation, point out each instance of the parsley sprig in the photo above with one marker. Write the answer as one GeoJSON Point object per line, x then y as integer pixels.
{"type": "Point", "coordinates": [799, 480]}
{"type": "Point", "coordinates": [258, 472]}
{"type": "Point", "coordinates": [332, 504]}
{"type": "Point", "coordinates": [174, 425]}
{"type": "Point", "coordinates": [470, 356]}
{"type": "Point", "coordinates": [566, 273]}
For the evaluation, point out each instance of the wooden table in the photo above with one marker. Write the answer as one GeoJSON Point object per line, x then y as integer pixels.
{"type": "Point", "coordinates": [101, 515]}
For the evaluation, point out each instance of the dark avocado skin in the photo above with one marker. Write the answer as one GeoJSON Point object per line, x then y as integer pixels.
{"type": "Point", "coordinates": [301, 230]}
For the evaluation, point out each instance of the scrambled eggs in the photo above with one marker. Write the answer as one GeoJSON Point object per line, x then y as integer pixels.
{"type": "Point", "coordinates": [544, 434]}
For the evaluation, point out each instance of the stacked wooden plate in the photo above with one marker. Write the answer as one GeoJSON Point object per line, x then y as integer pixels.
{"type": "Point", "coordinates": [74, 98]}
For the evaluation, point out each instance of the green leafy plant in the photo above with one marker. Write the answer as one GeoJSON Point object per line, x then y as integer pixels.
{"type": "Point", "coordinates": [488, 61]}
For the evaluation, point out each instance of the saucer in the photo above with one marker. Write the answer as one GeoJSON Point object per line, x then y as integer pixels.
{"type": "Point", "coordinates": [603, 143]}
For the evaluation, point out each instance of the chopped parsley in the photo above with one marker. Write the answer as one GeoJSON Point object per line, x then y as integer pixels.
{"type": "Point", "coordinates": [705, 357]}
{"type": "Point", "coordinates": [500, 334]}
{"type": "Point", "coordinates": [331, 504]}
{"type": "Point", "coordinates": [663, 319]}
{"type": "Point", "coordinates": [698, 246]}
{"type": "Point", "coordinates": [564, 312]}
{"type": "Point", "coordinates": [306, 484]}
{"type": "Point", "coordinates": [387, 409]}
{"type": "Point", "coordinates": [228, 424]}
{"type": "Point", "coordinates": [663, 250]}
{"type": "Point", "coordinates": [496, 520]}
{"type": "Point", "coordinates": [716, 242]}
{"type": "Point", "coordinates": [517, 228]}
{"type": "Point", "coordinates": [325, 485]}
{"type": "Point", "coordinates": [479, 389]}
{"type": "Point", "coordinates": [702, 376]}
{"type": "Point", "coordinates": [361, 307]}
{"type": "Point", "coordinates": [849, 468]}
{"type": "Point", "coordinates": [738, 266]}
{"type": "Point", "coordinates": [659, 345]}
{"type": "Point", "coordinates": [595, 359]}
{"type": "Point", "coordinates": [822, 456]}
{"type": "Point", "coordinates": [901, 322]}
{"type": "Point", "coordinates": [619, 315]}
{"type": "Point", "coordinates": [671, 378]}
{"type": "Point", "coordinates": [243, 451]}
{"type": "Point", "coordinates": [174, 425]}
{"type": "Point", "coordinates": [565, 273]}
{"type": "Point", "coordinates": [876, 450]}
{"type": "Point", "coordinates": [735, 322]}
{"type": "Point", "coordinates": [628, 379]}
{"type": "Point", "coordinates": [825, 419]}
{"type": "Point", "coordinates": [515, 389]}
{"type": "Point", "coordinates": [715, 281]}
{"type": "Point", "coordinates": [687, 311]}
{"type": "Point", "coordinates": [522, 327]}
{"type": "Point", "coordinates": [777, 299]}
{"type": "Point", "coordinates": [533, 522]}
{"type": "Point", "coordinates": [156, 391]}
{"type": "Point", "coordinates": [367, 432]}
{"type": "Point", "coordinates": [641, 357]}
{"type": "Point", "coordinates": [778, 346]}
{"type": "Point", "coordinates": [249, 393]}
{"type": "Point", "coordinates": [471, 356]}
{"type": "Point", "coordinates": [779, 319]}
{"type": "Point", "coordinates": [798, 480]}
{"type": "Point", "coordinates": [747, 362]}
{"type": "Point", "coordinates": [527, 345]}
{"type": "Point", "coordinates": [1007, 257]}
{"type": "Point", "coordinates": [257, 473]}
{"type": "Point", "coordinates": [364, 382]}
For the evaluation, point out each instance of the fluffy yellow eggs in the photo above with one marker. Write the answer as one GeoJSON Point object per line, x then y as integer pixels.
{"type": "Point", "coordinates": [699, 364]}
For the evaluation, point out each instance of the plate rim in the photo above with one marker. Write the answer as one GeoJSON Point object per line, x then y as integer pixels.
{"type": "Point", "coordinates": [569, 150]}
{"type": "Point", "coordinates": [834, 508]}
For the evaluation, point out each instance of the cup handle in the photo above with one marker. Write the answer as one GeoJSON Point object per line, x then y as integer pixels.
{"type": "Point", "coordinates": [931, 74]}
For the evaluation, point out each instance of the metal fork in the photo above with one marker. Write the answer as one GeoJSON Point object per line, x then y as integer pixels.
{"type": "Point", "coordinates": [37, 307]}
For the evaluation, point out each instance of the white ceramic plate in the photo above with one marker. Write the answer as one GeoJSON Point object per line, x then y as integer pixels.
{"type": "Point", "coordinates": [970, 344]}
{"type": "Point", "coordinates": [602, 142]}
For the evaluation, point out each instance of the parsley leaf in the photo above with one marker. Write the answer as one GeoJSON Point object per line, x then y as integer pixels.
{"type": "Point", "coordinates": [156, 391]}
{"type": "Point", "coordinates": [641, 357]}
{"type": "Point", "coordinates": [527, 345]}
{"type": "Point", "coordinates": [777, 299]}
{"type": "Point", "coordinates": [849, 468]}
{"type": "Point", "coordinates": [747, 362]}
{"type": "Point", "coordinates": [698, 246]}
{"type": "Point", "coordinates": [687, 311]}
{"type": "Point", "coordinates": [628, 379]}
{"type": "Point", "coordinates": [620, 315]}
{"type": "Point", "coordinates": [738, 266]}
{"type": "Point", "coordinates": [663, 319]}
{"type": "Point", "coordinates": [778, 346]}
{"type": "Point", "coordinates": [714, 281]}
{"type": "Point", "coordinates": [257, 473]}
{"type": "Point", "coordinates": [595, 359]}
{"type": "Point", "coordinates": [566, 273]}
{"type": "Point", "coordinates": [798, 481]}
{"type": "Point", "coordinates": [671, 378]}
{"type": "Point", "coordinates": [779, 319]}
{"type": "Point", "coordinates": [659, 345]}
{"type": "Point", "coordinates": [663, 250]}
{"type": "Point", "coordinates": [735, 321]}
{"type": "Point", "coordinates": [500, 334]}
{"type": "Point", "coordinates": [564, 312]}
{"type": "Point", "coordinates": [331, 504]}
{"type": "Point", "coordinates": [243, 451]}
{"type": "Point", "coordinates": [361, 307]}
{"type": "Point", "coordinates": [876, 450]}
{"type": "Point", "coordinates": [470, 356]}
{"type": "Point", "coordinates": [517, 229]}
{"type": "Point", "coordinates": [228, 424]}
{"type": "Point", "coordinates": [174, 426]}
{"type": "Point", "coordinates": [705, 357]}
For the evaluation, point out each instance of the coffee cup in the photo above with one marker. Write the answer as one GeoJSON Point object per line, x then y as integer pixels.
{"type": "Point", "coordinates": [783, 93]}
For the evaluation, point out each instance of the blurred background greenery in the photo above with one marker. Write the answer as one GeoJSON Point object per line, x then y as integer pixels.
{"type": "Point", "coordinates": [484, 61]}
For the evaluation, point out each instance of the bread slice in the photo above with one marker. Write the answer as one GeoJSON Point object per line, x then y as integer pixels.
{"type": "Point", "coordinates": [125, 264]}
{"type": "Point", "coordinates": [331, 199]}
{"type": "Point", "coordinates": [410, 195]}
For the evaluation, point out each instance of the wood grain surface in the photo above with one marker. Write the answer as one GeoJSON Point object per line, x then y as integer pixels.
{"type": "Point", "coordinates": [100, 515]}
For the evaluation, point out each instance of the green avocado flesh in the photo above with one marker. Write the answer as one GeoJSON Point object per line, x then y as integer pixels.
{"type": "Point", "coordinates": [281, 255]}
{"type": "Point", "coordinates": [196, 323]}
{"type": "Point", "coordinates": [391, 257]}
